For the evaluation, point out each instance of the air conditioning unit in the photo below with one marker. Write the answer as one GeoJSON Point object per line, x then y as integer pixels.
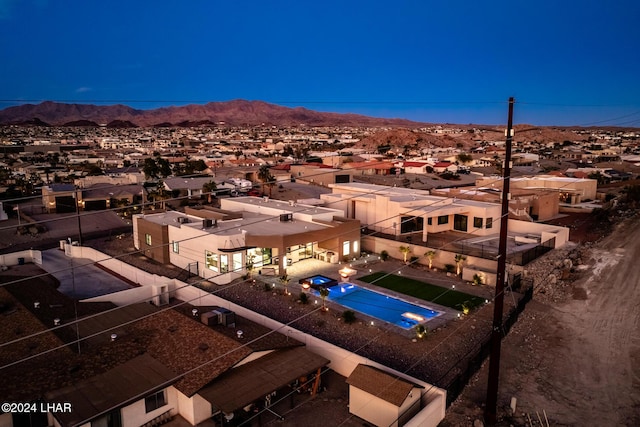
{"type": "Point", "coordinates": [286, 217]}
{"type": "Point", "coordinates": [207, 223]}
{"type": "Point", "coordinates": [210, 318]}
{"type": "Point", "coordinates": [183, 220]}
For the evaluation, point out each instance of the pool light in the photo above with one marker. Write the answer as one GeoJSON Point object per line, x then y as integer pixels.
{"type": "Point", "coordinates": [413, 316]}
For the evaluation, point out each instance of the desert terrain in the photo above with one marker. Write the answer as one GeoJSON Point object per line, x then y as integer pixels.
{"type": "Point", "coordinates": [573, 356]}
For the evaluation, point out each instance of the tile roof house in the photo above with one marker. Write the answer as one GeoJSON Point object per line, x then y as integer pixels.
{"type": "Point", "coordinates": [136, 363]}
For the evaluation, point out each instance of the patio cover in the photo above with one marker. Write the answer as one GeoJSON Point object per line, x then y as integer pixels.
{"type": "Point", "coordinates": [250, 382]}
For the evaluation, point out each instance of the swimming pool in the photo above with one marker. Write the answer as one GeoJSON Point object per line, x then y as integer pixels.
{"type": "Point", "coordinates": [318, 281]}
{"type": "Point", "coordinates": [383, 307]}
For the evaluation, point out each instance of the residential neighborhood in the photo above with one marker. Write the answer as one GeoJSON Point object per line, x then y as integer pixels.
{"type": "Point", "coordinates": [234, 246]}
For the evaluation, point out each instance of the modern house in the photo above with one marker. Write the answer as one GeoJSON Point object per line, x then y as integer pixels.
{"type": "Point", "coordinates": [394, 217]}
{"type": "Point", "coordinates": [269, 235]}
{"type": "Point", "coordinates": [570, 190]}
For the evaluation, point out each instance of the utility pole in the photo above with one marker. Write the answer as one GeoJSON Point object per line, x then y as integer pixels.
{"type": "Point", "coordinates": [490, 415]}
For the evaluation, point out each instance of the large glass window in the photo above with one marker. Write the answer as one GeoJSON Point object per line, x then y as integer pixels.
{"type": "Point", "coordinates": [346, 248]}
{"type": "Point", "coordinates": [409, 224]}
{"type": "Point", "coordinates": [211, 260]}
{"type": "Point", "coordinates": [477, 222]}
{"type": "Point", "coordinates": [147, 239]}
{"type": "Point", "coordinates": [155, 401]}
{"type": "Point", "coordinates": [355, 247]}
{"type": "Point", "coordinates": [237, 262]}
{"type": "Point", "coordinates": [443, 219]}
{"type": "Point", "coordinates": [224, 263]}
{"type": "Point", "coordinates": [460, 222]}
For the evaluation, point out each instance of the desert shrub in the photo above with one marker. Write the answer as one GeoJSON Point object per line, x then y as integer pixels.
{"type": "Point", "coordinates": [304, 298]}
{"type": "Point", "coordinates": [384, 255]}
{"type": "Point", "coordinates": [348, 316]}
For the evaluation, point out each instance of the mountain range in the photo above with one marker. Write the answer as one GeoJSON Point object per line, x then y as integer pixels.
{"type": "Point", "coordinates": [234, 113]}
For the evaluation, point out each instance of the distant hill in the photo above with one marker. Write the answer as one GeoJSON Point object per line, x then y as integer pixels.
{"type": "Point", "coordinates": [234, 113]}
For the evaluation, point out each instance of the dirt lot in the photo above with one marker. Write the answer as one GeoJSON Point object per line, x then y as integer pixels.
{"type": "Point", "coordinates": [576, 360]}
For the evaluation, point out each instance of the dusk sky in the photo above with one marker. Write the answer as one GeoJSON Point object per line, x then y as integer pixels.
{"type": "Point", "coordinates": [458, 61]}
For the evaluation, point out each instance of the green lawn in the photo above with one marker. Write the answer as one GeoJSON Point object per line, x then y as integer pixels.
{"type": "Point", "coordinates": [439, 295]}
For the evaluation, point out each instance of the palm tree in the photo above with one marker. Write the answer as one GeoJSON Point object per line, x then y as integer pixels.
{"type": "Point", "coordinates": [405, 251]}
{"type": "Point", "coordinates": [264, 175]}
{"type": "Point", "coordinates": [209, 188]}
{"type": "Point", "coordinates": [284, 280]}
{"type": "Point", "coordinates": [430, 256]}
{"type": "Point", "coordinates": [324, 293]}
{"type": "Point", "coordinates": [459, 260]}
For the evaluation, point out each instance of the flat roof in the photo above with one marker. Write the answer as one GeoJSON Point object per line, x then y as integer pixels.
{"type": "Point", "coordinates": [285, 206]}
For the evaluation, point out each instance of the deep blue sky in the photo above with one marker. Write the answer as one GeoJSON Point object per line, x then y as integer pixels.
{"type": "Point", "coordinates": [570, 62]}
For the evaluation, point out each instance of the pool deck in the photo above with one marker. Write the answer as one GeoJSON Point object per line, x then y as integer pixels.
{"type": "Point", "coordinates": [369, 264]}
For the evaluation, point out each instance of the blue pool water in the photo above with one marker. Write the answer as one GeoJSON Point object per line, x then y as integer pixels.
{"type": "Point", "coordinates": [319, 280]}
{"type": "Point", "coordinates": [383, 307]}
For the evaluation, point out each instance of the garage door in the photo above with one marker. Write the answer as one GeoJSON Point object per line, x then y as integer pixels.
{"type": "Point", "coordinates": [95, 205]}
{"type": "Point", "coordinates": [65, 204]}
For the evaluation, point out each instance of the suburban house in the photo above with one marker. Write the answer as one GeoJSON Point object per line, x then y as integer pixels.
{"type": "Point", "coordinates": [537, 204]}
{"type": "Point", "coordinates": [165, 350]}
{"type": "Point", "coordinates": [137, 363]}
{"type": "Point", "coordinates": [319, 173]}
{"type": "Point", "coordinates": [66, 198]}
{"type": "Point", "coordinates": [392, 217]}
{"type": "Point", "coordinates": [269, 235]}
{"type": "Point", "coordinates": [570, 191]}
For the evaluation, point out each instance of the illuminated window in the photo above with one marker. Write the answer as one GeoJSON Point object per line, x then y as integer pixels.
{"type": "Point", "coordinates": [346, 248]}
{"type": "Point", "coordinates": [355, 247]}
{"type": "Point", "coordinates": [224, 263]}
{"type": "Point", "coordinates": [237, 262]}
{"type": "Point", "coordinates": [176, 247]}
{"type": "Point", "coordinates": [147, 239]}
{"type": "Point", "coordinates": [211, 260]}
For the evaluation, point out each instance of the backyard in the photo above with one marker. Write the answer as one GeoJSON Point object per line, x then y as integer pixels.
{"type": "Point", "coordinates": [425, 291]}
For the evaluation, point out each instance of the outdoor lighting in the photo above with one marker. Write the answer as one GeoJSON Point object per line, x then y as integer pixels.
{"type": "Point", "coordinates": [306, 286]}
{"type": "Point", "coordinates": [486, 301]}
{"type": "Point", "coordinates": [372, 323]}
{"type": "Point", "coordinates": [346, 272]}
{"type": "Point", "coordinates": [36, 304]}
{"type": "Point", "coordinates": [370, 270]}
{"type": "Point", "coordinates": [56, 321]}
{"type": "Point", "coordinates": [453, 286]}
{"type": "Point", "coordinates": [239, 333]}
{"type": "Point", "coordinates": [458, 314]}
{"type": "Point", "coordinates": [315, 302]}
{"type": "Point", "coordinates": [273, 285]}
{"type": "Point", "coordinates": [413, 316]}
{"type": "Point", "coordinates": [113, 337]}
{"type": "Point", "coordinates": [194, 312]}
